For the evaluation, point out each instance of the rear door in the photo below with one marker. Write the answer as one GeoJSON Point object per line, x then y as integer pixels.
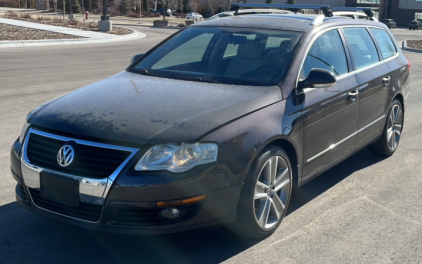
{"type": "Point", "coordinates": [374, 80]}
{"type": "Point", "coordinates": [329, 114]}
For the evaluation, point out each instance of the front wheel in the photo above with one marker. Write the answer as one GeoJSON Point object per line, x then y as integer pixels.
{"type": "Point", "coordinates": [389, 140]}
{"type": "Point", "coordinates": [265, 195]}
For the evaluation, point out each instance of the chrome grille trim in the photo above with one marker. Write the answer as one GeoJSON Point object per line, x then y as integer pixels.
{"type": "Point", "coordinates": [92, 191]}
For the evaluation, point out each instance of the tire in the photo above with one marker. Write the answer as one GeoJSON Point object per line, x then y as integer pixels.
{"type": "Point", "coordinates": [265, 196]}
{"type": "Point", "coordinates": [389, 140]}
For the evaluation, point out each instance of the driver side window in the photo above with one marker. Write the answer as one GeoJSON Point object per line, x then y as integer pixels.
{"type": "Point", "coordinates": [327, 52]}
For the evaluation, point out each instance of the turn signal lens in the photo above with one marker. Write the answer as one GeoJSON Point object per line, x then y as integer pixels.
{"type": "Point", "coordinates": [185, 201]}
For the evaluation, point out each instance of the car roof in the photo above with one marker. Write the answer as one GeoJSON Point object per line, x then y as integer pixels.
{"type": "Point", "coordinates": [290, 22]}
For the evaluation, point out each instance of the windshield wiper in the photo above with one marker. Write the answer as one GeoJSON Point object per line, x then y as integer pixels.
{"type": "Point", "coordinates": [143, 71]}
{"type": "Point", "coordinates": [205, 79]}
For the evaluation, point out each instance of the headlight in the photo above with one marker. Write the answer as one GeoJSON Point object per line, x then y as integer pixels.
{"type": "Point", "coordinates": [177, 158]}
{"type": "Point", "coordinates": [23, 132]}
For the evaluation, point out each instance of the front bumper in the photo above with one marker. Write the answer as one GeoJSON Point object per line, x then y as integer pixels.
{"type": "Point", "coordinates": [132, 201]}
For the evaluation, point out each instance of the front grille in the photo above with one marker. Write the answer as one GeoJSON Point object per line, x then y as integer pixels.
{"type": "Point", "coordinates": [90, 161]}
{"type": "Point", "coordinates": [132, 215]}
{"type": "Point", "coordinates": [85, 211]}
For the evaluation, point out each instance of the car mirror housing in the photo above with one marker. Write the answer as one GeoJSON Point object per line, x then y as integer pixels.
{"type": "Point", "coordinates": [318, 78]}
{"type": "Point", "coordinates": [137, 56]}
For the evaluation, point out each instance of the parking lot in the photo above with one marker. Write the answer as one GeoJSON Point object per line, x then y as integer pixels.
{"type": "Point", "coordinates": [365, 210]}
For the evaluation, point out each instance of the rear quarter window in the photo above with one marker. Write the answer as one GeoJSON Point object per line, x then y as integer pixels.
{"type": "Point", "coordinates": [384, 42]}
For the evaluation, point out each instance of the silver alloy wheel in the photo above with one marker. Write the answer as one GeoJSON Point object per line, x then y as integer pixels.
{"type": "Point", "coordinates": [395, 122]}
{"type": "Point", "coordinates": [272, 191]}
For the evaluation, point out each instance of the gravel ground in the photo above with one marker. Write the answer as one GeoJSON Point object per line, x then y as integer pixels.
{"type": "Point", "coordinates": [415, 44]}
{"type": "Point", "coordinates": [9, 32]}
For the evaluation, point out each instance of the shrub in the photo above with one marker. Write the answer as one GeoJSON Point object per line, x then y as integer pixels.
{"type": "Point", "coordinates": [25, 15]}
{"type": "Point", "coordinates": [73, 22]}
{"type": "Point", "coordinates": [11, 14]}
{"type": "Point", "coordinates": [57, 20]}
{"type": "Point", "coordinates": [181, 25]}
{"type": "Point", "coordinates": [113, 13]}
{"type": "Point", "coordinates": [133, 14]}
{"type": "Point", "coordinates": [93, 24]}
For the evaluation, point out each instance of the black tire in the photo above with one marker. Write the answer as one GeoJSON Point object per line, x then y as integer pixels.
{"type": "Point", "coordinates": [386, 146]}
{"type": "Point", "coordinates": [247, 223]}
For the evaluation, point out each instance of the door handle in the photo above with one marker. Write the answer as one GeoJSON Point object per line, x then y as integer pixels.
{"type": "Point", "coordinates": [386, 80]}
{"type": "Point", "coordinates": [351, 96]}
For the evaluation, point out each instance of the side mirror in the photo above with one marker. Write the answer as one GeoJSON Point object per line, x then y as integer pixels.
{"type": "Point", "coordinates": [137, 56]}
{"type": "Point", "coordinates": [318, 78]}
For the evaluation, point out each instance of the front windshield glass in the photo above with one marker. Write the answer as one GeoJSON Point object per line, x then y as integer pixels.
{"type": "Point", "coordinates": [242, 56]}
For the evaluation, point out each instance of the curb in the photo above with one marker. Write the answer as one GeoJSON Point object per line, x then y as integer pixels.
{"type": "Point", "coordinates": [406, 48]}
{"type": "Point", "coordinates": [50, 42]}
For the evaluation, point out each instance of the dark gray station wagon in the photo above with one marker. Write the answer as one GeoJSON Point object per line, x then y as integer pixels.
{"type": "Point", "coordinates": [219, 123]}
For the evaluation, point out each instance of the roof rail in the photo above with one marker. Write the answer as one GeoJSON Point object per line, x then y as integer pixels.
{"type": "Point", "coordinates": [326, 9]}
{"type": "Point", "coordinates": [367, 10]}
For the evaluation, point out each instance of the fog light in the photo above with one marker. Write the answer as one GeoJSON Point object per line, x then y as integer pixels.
{"type": "Point", "coordinates": [170, 213]}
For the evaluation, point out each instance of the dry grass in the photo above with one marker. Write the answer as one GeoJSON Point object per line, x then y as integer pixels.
{"type": "Point", "coordinates": [57, 21]}
{"type": "Point", "coordinates": [9, 32]}
{"type": "Point", "coordinates": [415, 44]}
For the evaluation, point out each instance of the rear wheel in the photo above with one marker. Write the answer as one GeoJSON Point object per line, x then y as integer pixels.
{"type": "Point", "coordinates": [265, 195]}
{"type": "Point", "coordinates": [389, 140]}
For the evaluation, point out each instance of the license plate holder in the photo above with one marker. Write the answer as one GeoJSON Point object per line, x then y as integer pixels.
{"type": "Point", "coordinates": [59, 189]}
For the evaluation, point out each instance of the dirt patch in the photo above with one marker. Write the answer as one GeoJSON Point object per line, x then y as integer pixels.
{"type": "Point", "coordinates": [414, 44]}
{"type": "Point", "coordinates": [9, 32]}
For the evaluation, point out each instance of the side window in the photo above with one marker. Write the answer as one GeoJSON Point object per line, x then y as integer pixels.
{"type": "Point", "coordinates": [362, 47]}
{"type": "Point", "coordinates": [384, 42]}
{"type": "Point", "coordinates": [327, 52]}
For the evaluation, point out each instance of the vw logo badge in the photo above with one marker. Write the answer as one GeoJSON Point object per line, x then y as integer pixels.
{"type": "Point", "coordinates": [65, 155]}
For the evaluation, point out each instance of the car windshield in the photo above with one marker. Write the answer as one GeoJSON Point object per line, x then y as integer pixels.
{"type": "Point", "coordinates": [227, 55]}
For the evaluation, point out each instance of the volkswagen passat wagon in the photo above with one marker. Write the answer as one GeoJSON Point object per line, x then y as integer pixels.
{"type": "Point", "coordinates": [219, 123]}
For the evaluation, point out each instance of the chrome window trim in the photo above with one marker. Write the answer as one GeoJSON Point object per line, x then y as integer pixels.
{"type": "Point", "coordinates": [351, 72]}
{"type": "Point", "coordinates": [332, 146]}
{"type": "Point", "coordinates": [92, 191]}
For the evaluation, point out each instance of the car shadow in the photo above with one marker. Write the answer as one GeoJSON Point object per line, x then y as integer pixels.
{"type": "Point", "coordinates": [26, 237]}
{"type": "Point", "coordinates": [325, 181]}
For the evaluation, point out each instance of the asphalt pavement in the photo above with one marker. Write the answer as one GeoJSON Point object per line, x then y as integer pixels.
{"type": "Point", "coordinates": [365, 210]}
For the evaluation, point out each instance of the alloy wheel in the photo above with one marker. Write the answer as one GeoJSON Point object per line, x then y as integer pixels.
{"type": "Point", "coordinates": [272, 191]}
{"type": "Point", "coordinates": [395, 123]}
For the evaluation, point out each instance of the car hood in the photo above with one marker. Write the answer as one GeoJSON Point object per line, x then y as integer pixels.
{"type": "Point", "coordinates": [143, 109]}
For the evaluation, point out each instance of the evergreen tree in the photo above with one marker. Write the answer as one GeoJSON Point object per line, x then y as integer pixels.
{"type": "Point", "coordinates": [124, 7]}
{"type": "Point", "coordinates": [75, 4]}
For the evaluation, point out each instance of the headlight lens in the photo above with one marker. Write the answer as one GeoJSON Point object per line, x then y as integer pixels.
{"type": "Point", "coordinates": [23, 132]}
{"type": "Point", "coordinates": [177, 158]}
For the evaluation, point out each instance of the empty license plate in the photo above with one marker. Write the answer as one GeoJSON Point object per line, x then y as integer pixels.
{"type": "Point", "coordinates": [59, 189]}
